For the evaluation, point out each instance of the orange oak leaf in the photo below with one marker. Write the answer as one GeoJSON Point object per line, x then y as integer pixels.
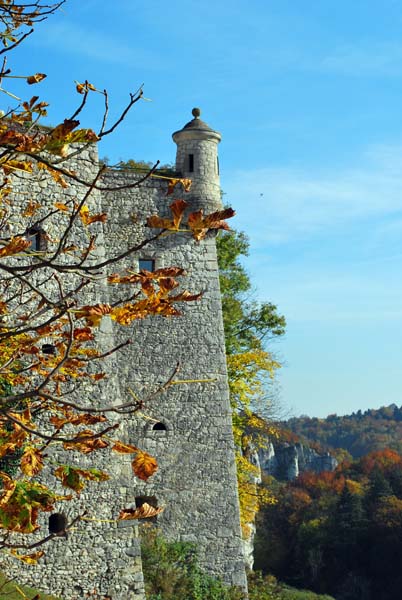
{"type": "Point", "coordinates": [144, 465]}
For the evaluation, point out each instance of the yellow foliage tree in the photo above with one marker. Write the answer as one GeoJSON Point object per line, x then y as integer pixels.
{"type": "Point", "coordinates": [251, 370]}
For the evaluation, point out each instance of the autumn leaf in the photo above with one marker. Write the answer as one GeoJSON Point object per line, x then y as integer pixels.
{"type": "Point", "coordinates": [172, 183]}
{"type": "Point", "coordinates": [21, 503]}
{"type": "Point", "coordinates": [87, 219]}
{"type": "Point", "coordinates": [31, 461]}
{"type": "Point", "coordinates": [86, 446]}
{"type": "Point", "coordinates": [61, 206]}
{"type": "Point", "coordinates": [10, 166]}
{"type": "Point", "coordinates": [93, 314]}
{"type": "Point", "coordinates": [83, 334]}
{"type": "Point", "coordinates": [35, 78]}
{"type": "Point", "coordinates": [17, 244]}
{"type": "Point", "coordinates": [85, 87]}
{"type": "Point", "coordinates": [124, 448]}
{"type": "Point", "coordinates": [31, 208]}
{"type": "Point", "coordinates": [60, 138]}
{"type": "Point", "coordinates": [177, 208]}
{"type": "Point", "coordinates": [200, 224]}
{"type": "Point", "coordinates": [159, 222]}
{"type": "Point", "coordinates": [29, 559]}
{"type": "Point", "coordinates": [56, 175]}
{"type": "Point", "coordinates": [71, 477]}
{"type": "Point", "coordinates": [185, 296]}
{"type": "Point", "coordinates": [87, 419]}
{"type": "Point", "coordinates": [145, 511]}
{"type": "Point", "coordinates": [144, 465]}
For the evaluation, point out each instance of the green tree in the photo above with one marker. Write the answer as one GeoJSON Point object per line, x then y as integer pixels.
{"type": "Point", "coordinates": [248, 324]}
{"type": "Point", "coordinates": [251, 367]}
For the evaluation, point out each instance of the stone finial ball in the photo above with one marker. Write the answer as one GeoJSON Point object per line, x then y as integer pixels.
{"type": "Point", "coordinates": [196, 112]}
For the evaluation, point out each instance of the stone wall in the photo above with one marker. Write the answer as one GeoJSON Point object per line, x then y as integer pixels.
{"type": "Point", "coordinates": [193, 441]}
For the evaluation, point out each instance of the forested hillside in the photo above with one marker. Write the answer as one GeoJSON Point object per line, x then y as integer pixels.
{"type": "Point", "coordinates": [338, 532]}
{"type": "Point", "coordinates": [358, 433]}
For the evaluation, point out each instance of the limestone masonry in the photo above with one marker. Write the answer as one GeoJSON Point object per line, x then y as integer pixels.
{"type": "Point", "coordinates": [188, 427]}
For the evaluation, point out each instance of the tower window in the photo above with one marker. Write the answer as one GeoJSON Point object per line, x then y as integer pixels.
{"type": "Point", "coordinates": [159, 427]}
{"type": "Point", "coordinates": [191, 163]}
{"type": "Point", "coordinates": [217, 164]}
{"type": "Point", "coordinates": [146, 264]}
{"type": "Point", "coordinates": [36, 237]}
{"type": "Point", "coordinates": [48, 349]}
{"type": "Point", "coordinates": [151, 500]}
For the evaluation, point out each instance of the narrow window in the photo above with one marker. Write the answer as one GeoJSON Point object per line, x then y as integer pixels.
{"type": "Point", "coordinates": [217, 164]}
{"type": "Point", "coordinates": [151, 500]}
{"type": "Point", "coordinates": [146, 264]}
{"type": "Point", "coordinates": [58, 524]}
{"type": "Point", "coordinates": [159, 426]}
{"type": "Point", "coordinates": [48, 349]}
{"type": "Point", "coordinates": [36, 237]}
{"type": "Point", "coordinates": [191, 163]}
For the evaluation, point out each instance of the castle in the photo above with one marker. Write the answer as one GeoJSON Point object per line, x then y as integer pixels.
{"type": "Point", "coordinates": [187, 427]}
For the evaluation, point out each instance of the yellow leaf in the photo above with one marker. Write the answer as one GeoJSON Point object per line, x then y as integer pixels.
{"type": "Point", "coordinates": [31, 461]}
{"type": "Point", "coordinates": [29, 559]}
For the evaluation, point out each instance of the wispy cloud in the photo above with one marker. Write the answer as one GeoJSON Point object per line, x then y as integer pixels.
{"type": "Point", "coordinates": [380, 58]}
{"type": "Point", "coordinates": [295, 203]}
{"type": "Point", "coordinates": [67, 37]}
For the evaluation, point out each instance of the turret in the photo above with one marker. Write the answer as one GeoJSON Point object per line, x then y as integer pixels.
{"type": "Point", "coordinates": [197, 159]}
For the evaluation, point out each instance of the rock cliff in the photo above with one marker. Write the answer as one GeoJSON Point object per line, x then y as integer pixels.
{"type": "Point", "coordinates": [285, 461]}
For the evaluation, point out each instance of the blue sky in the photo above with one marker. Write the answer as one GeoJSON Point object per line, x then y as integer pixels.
{"type": "Point", "coordinates": [307, 96]}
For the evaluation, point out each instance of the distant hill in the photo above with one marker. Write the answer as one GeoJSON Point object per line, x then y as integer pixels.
{"type": "Point", "coordinates": [358, 433]}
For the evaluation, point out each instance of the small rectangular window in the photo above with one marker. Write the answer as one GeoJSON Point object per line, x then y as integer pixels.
{"type": "Point", "coordinates": [146, 264]}
{"type": "Point", "coordinates": [35, 236]}
{"type": "Point", "coordinates": [191, 163]}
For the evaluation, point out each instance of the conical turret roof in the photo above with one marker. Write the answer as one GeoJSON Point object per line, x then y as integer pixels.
{"type": "Point", "coordinates": [198, 127]}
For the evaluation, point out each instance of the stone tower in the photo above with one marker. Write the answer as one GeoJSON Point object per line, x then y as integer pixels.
{"type": "Point", "coordinates": [197, 159]}
{"type": "Point", "coordinates": [191, 431]}
{"type": "Point", "coordinates": [186, 425]}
